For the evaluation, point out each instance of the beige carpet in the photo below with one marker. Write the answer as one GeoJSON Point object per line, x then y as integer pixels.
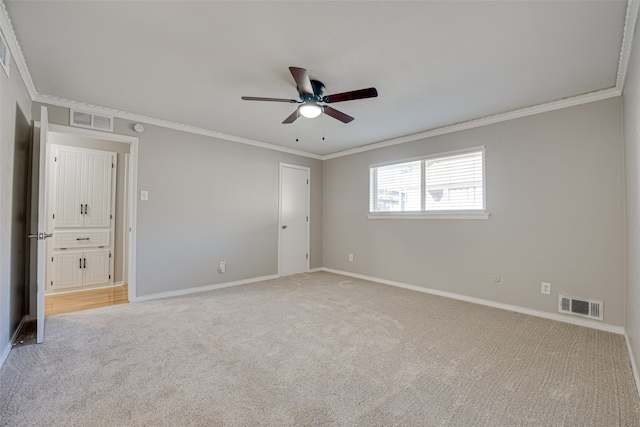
{"type": "Point", "coordinates": [317, 349]}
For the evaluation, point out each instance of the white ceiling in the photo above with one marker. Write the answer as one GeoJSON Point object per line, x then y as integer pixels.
{"type": "Point", "coordinates": [433, 63]}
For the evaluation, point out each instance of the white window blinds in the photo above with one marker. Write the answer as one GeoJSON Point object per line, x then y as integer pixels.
{"type": "Point", "coordinates": [446, 182]}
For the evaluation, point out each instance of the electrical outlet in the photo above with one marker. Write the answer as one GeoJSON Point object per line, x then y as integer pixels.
{"type": "Point", "coordinates": [545, 288]}
{"type": "Point", "coordinates": [223, 266]}
{"type": "Point", "coordinates": [351, 257]}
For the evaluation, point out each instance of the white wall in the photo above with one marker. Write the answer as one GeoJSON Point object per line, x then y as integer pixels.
{"type": "Point", "coordinates": [631, 97]}
{"type": "Point", "coordinates": [13, 98]}
{"type": "Point", "coordinates": [555, 191]}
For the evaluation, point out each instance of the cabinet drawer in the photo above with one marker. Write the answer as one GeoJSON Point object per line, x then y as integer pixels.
{"type": "Point", "coordinates": [81, 239]}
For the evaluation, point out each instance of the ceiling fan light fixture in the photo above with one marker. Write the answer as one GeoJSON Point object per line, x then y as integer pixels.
{"type": "Point", "coordinates": [310, 110]}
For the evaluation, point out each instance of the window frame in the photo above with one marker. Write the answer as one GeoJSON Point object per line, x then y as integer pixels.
{"type": "Point", "coordinates": [433, 214]}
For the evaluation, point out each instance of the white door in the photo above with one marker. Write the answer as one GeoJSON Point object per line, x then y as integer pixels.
{"type": "Point", "coordinates": [95, 267]}
{"type": "Point", "coordinates": [68, 270]}
{"type": "Point", "coordinates": [42, 223]}
{"type": "Point", "coordinates": [69, 207]}
{"type": "Point", "coordinates": [99, 168]}
{"type": "Point", "coordinates": [294, 220]}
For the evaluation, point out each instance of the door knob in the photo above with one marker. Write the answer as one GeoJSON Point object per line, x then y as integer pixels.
{"type": "Point", "coordinates": [40, 236]}
{"type": "Point", "coordinates": [284, 226]}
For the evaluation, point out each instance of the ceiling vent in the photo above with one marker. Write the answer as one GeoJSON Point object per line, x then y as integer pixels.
{"type": "Point", "coordinates": [5, 55]}
{"type": "Point", "coordinates": [581, 307]}
{"type": "Point", "coordinates": [91, 121]}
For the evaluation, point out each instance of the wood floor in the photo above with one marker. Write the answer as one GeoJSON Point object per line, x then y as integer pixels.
{"type": "Point", "coordinates": [85, 300]}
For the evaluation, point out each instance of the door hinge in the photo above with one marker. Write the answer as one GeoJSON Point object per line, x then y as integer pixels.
{"type": "Point", "coordinates": [109, 276]}
{"type": "Point", "coordinates": [52, 283]}
{"type": "Point", "coordinates": [110, 216]}
{"type": "Point", "coordinates": [112, 166]}
{"type": "Point", "coordinates": [307, 182]}
{"type": "Point", "coordinates": [51, 259]}
{"type": "Point", "coordinates": [54, 216]}
{"type": "Point", "coordinates": [55, 159]}
{"type": "Point", "coordinates": [109, 254]}
{"type": "Point", "coordinates": [307, 219]}
{"type": "Point", "coordinates": [307, 256]}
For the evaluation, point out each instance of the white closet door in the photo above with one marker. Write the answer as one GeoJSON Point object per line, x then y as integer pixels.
{"type": "Point", "coordinates": [67, 270]}
{"type": "Point", "coordinates": [98, 190]}
{"type": "Point", "coordinates": [96, 269]}
{"type": "Point", "coordinates": [68, 200]}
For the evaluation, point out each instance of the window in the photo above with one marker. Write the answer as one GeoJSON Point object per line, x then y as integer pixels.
{"type": "Point", "coordinates": [445, 183]}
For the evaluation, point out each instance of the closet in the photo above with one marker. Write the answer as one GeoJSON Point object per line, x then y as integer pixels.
{"type": "Point", "coordinates": [81, 215]}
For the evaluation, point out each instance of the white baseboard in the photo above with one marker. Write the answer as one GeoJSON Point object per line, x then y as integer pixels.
{"type": "Point", "coordinates": [25, 318]}
{"type": "Point", "coordinates": [315, 270]}
{"type": "Point", "coordinates": [7, 350]}
{"type": "Point", "coordinates": [634, 366]}
{"type": "Point", "coordinates": [553, 316]}
{"type": "Point", "coordinates": [179, 292]}
{"type": "Point", "coordinates": [5, 354]}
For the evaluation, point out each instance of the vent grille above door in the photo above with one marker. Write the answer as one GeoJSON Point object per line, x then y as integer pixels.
{"type": "Point", "coordinates": [92, 121]}
{"type": "Point", "coordinates": [581, 307]}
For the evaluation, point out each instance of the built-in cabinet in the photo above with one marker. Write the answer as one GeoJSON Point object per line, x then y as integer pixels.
{"type": "Point", "coordinates": [81, 217]}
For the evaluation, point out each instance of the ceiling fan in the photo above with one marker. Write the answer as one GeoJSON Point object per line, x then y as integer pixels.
{"type": "Point", "coordinates": [311, 93]}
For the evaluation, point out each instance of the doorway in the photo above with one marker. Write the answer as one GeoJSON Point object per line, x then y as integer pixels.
{"type": "Point", "coordinates": [294, 220]}
{"type": "Point", "coordinates": [48, 133]}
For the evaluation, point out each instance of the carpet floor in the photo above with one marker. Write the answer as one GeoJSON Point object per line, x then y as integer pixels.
{"type": "Point", "coordinates": [316, 349]}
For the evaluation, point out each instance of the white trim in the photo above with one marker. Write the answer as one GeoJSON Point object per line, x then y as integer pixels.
{"type": "Point", "coordinates": [18, 57]}
{"type": "Point", "coordinates": [634, 366]}
{"type": "Point", "coordinates": [97, 109]}
{"type": "Point", "coordinates": [627, 41]}
{"type": "Point", "coordinates": [125, 219]}
{"type": "Point", "coordinates": [484, 121]}
{"type": "Point", "coordinates": [538, 313]}
{"type": "Point", "coordinates": [5, 354]}
{"type": "Point", "coordinates": [426, 215]}
{"type": "Point", "coordinates": [25, 318]}
{"type": "Point", "coordinates": [630, 20]}
{"type": "Point", "coordinates": [315, 270]}
{"type": "Point", "coordinates": [180, 292]}
{"type": "Point", "coordinates": [132, 190]}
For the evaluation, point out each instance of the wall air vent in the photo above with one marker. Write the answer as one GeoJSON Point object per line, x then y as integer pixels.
{"type": "Point", "coordinates": [5, 55]}
{"type": "Point", "coordinates": [91, 121]}
{"type": "Point", "coordinates": [581, 307]}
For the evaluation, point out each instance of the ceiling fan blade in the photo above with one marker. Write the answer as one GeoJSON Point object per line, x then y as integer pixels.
{"type": "Point", "coordinates": [292, 118]}
{"type": "Point", "coordinates": [344, 118]}
{"type": "Point", "coordinates": [302, 80]}
{"type": "Point", "coordinates": [351, 96]}
{"type": "Point", "coordinates": [257, 98]}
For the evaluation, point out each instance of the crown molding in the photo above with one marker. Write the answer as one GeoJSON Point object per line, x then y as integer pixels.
{"type": "Point", "coordinates": [16, 51]}
{"type": "Point", "coordinates": [484, 121]}
{"type": "Point", "coordinates": [93, 108]}
{"type": "Point", "coordinates": [629, 31]}
{"type": "Point", "coordinates": [631, 17]}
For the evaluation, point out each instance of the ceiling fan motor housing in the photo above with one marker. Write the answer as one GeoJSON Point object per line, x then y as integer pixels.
{"type": "Point", "coordinates": [318, 92]}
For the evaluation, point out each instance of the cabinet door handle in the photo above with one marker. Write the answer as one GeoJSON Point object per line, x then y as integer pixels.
{"type": "Point", "coordinates": [85, 263]}
{"type": "Point", "coordinates": [83, 238]}
{"type": "Point", "coordinates": [80, 259]}
{"type": "Point", "coordinates": [85, 209]}
{"type": "Point", "coordinates": [81, 206]}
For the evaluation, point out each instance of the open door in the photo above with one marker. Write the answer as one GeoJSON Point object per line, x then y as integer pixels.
{"type": "Point", "coordinates": [41, 234]}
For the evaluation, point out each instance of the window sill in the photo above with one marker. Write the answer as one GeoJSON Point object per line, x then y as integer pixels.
{"type": "Point", "coordinates": [425, 215]}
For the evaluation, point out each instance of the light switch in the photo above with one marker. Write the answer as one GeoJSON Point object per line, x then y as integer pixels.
{"type": "Point", "coordinates": [144, 195]}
